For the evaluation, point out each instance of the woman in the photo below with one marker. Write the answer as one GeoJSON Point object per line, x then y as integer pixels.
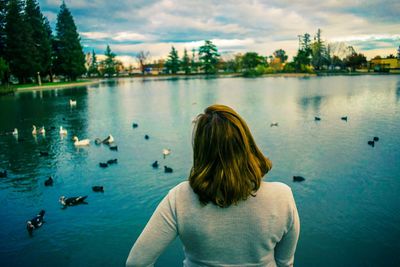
{"type": "Point", "coordinates": [225, 215]}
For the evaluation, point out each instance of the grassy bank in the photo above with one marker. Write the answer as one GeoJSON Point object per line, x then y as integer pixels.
{"type": "Point", "coordinates": [7, 89]}
{"type": "Point", "coordinates": [53, 85]}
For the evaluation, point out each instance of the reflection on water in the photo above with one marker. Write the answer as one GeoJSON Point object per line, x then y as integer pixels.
{"type": "Point", "coordinates": [349, 204]}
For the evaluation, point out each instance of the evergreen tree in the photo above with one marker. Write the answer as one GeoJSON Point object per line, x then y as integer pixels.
{"type": "Point", "coordinates": [109, 63]}
{"type": "Point", "coordinates": [193, 65]}
{"type": "Point", "coordinates": [20, 47]}
{"type": "Point", "coordinates": [186, 62]}
{"type": "Point", "coordinates": [41, 37]}
{"type": "Point", "coordinates": [318, 52]}
{"type": "Point", "coordinates": [208, 55]}
{"type": "Point", "coordinates": [69, 57]}
{"type": "Point", "coordinates": [3, 12]}
{"type": "Point", "coordinates": [172, 63]}
{"type": "Point", "coordinates": [93, 68]}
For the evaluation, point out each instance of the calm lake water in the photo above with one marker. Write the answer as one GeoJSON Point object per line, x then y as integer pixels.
{"type": "Point", "coordinates": [349, 205]}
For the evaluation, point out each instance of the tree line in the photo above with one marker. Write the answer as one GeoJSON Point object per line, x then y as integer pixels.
{"type": "Point", "coordinates": [30, 51]}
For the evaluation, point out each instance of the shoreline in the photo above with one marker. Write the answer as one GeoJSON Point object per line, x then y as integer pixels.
{"type": "Point", "coordinates": [57, 86]}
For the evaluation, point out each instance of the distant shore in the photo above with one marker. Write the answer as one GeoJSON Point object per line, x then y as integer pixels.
{"type": "Point", "coordinates": [23, 88]}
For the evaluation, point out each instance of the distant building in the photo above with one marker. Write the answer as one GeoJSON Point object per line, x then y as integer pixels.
{"type": "Point", "coordinates": [384, 64]}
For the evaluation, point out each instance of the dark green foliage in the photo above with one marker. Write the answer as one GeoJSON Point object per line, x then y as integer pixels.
{"type": "Point", "coordinates": [355, 60]}
{"type": "Point", "coordinates": [93, 68]}
{"type": "Point", "coordinates": [172, 63]}
{"type": "Point", "coordinates": [3, 36]}
{"type": "Point", "coordinates": [109, 63]}
{"type": "Point", "coordinates": [20, 49]}
{"type": "Point", "coordinates": [281, 54]}
{"type": "Point", "coordinates": [251, 60]}
{"type": "Point", "coordinates": [41, 37]}
{"type": "Point", "coordinates": [193, 64]}
{"type": "Point", "coordinates": [69, 57]}
{"type": "Point", "coordinates": [208, 55]}
{"type": "Point", "coordinates": [186, 62]}
{"type": "Point", "coordinates": [319, 53]}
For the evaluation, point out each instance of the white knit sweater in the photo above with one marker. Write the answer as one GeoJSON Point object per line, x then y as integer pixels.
{"type": "Point", "coordinates": [260, 231]}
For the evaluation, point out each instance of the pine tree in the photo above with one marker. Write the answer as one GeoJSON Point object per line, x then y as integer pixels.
{"type": "Point", "coordinates": [93, 68]}
{"type": "Point", "coordinates": [172, 63]}
{"type": "Point", "coordinates": [69, 57]}
{"type": "Point", "coordinates": [20, 47]}
{"type": "Point", "coordinates": [41, 51]}
{"type": "Point", "coordinates": [208, 55]}
{"type": "Point", "coordinates": [109, 63]}
{"type": "Point", "coordinates": [193, 65]}
{"type": "Point", "coordinates": [186, 62]}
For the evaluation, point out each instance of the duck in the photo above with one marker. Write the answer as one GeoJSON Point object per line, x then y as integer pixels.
{"type": "Point", "coordinates": [317, 118]}
{"type": "Point", "coordinates": [108, 140]}
{"type": "Point", "coordinates": [155, 164]}
{"type": "Point", "coordinates": [344, 118]}
{"type": "Point", "coordinates": [166, 152]}
{"type": "Point", "coordinates": [135, 125]}
{"type": "Point", "coordinates": [34, 132]}
{"type": "Point", "coordinates": [3, 174]}
{"type": "Point", "coordinates": [376, 138]}
{"type": "Point", "coordinates": [168, 169]}
{"type": "Point", "coordinates": [97, 141]}
{"type": "Point", "coordinates": [49, 181]}
{"type": "Point", "coordinates": [72, 201]}
{"type": "Point", "coordinates": [43, 153]}
{"type": "Point", "coordinates": [298, 178]}
{"type": "Point", "coordinates": [114, 148]}
{"type": "Point", "coordinates": [77, 142]}
{"type": "Point", "coordinates": [35, 222]}
{"type": "Point", "coordinates": [98, 188]}
{"type": "Point", "coordinates": [274, 124]}
{"type": "Point", "coordinates": [63, 131]}
{"type": "Point", "coordinates": [42, 130]}
{"type": "Point", "coordinates": [72, 102]}
{"type": "Point", "coordinates": [371, 143]}
{"type": "Point", "coordinates": [15, 132]}
{"type": "Point", "coordinates": [103, 164]}
{"type": "Point", "coordinates": [112, 161]}
{"type": "Point", "coordinates": [146, 137]}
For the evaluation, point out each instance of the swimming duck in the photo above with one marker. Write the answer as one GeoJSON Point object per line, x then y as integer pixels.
{"type": "Point", "coordinates": [114, 148]}
{"type": "Point", "coordinates": [35, 222]}
{"type": "Point", "coordinates": [97, 141]}
{"type": "Point", "coordinates": [42, 130]}
{"type": "Point", "coordinates": [155, 164]}
{"type": "Point", "coordinates": [63, 131]}
{"type": "Point", "coordinates": [298, 178]}
{"type": "Point", "coordinates": [166, 152]}
{"type": "Point", "coordinates": [98, 188]}
{"type": "Point", "coordinates": [168, 169]}
{"type": "Point", "coordinates": [34, 132]}
{"type": "Point", "coordinates": [15, 132]}
{"type": "Point", "coordinates": [317, 118]}
{"type": "Point", "coordinates": [274, 124]}
{"type": "Point", "coordinates": [371, 143]}
{"type": "Point", "coordinates": [49, 181]}
{"type": "Point", "coordinates": [43, 153]}
{"type": "Point", "coordinates": [72, 201]}
{"type": "Point", "coordinates": [344, 118]}
{"type": "Point", "coordinates": [103, 164]}
{"type": "Point", "coordinates": [84, 142]}
{"type": "Point", "coordinates": [376, 138]}
{"type": "Point", "coordinates": [146, 137]}
{"type": "Point", "coordinates": [112, 161]}
{"type": "Point", "coordinates": [135, 125]}
{"type": "Point", "coordinates": [72, 102]}
{"type": "Point", "coordinates": [108, 140]}
{"type": "Point", "coordinates": [3, 174]}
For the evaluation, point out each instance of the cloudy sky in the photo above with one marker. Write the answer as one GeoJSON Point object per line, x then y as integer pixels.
{"type": "Point", "coordinates": [263, 26]}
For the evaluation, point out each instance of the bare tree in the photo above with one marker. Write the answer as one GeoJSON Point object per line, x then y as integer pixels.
{"type": "Point", "coordinates": [141, 57]}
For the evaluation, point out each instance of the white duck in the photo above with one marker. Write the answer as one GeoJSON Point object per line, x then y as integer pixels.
{"type": "Point", "coordinates": [63, 131]}
{"type": "Point", "coordinates": [34, 132]}
{"type": "Point", "coordinates": [108, 140]}
{"type": "Point", "coordinates": [166, 152]}
{"type": "Point", "coordinates": [84, 142]}
{"type": "Point", "coordinates": [15, 132]}
{"type": "Point", "coordinates": [72, 102]}
{"type": "Point", "coordinates": [42, 130]}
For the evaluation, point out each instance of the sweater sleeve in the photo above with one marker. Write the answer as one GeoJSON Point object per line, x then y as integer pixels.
{"type": "Point", "coordinates": [285, 249]}
{"type": "Point", "coordinates": [159, 232]}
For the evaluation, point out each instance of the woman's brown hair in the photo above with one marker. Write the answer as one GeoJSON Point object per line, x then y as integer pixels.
{"type": "Point", "coordinates": [227, 164]}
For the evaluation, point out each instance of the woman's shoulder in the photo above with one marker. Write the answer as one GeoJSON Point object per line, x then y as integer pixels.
{"type": "Point", "coordinates": [276, 188]}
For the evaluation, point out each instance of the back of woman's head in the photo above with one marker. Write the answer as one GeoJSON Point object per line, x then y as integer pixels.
{"type": "Point", "coordinates": [227, 164]}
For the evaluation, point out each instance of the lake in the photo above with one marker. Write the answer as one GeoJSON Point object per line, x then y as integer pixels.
{"type": "Point", "coordinates": [349, 204]}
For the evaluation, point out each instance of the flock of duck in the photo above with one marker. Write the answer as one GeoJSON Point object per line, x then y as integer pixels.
{"type": "Point", "coordinates": [38, 220]}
